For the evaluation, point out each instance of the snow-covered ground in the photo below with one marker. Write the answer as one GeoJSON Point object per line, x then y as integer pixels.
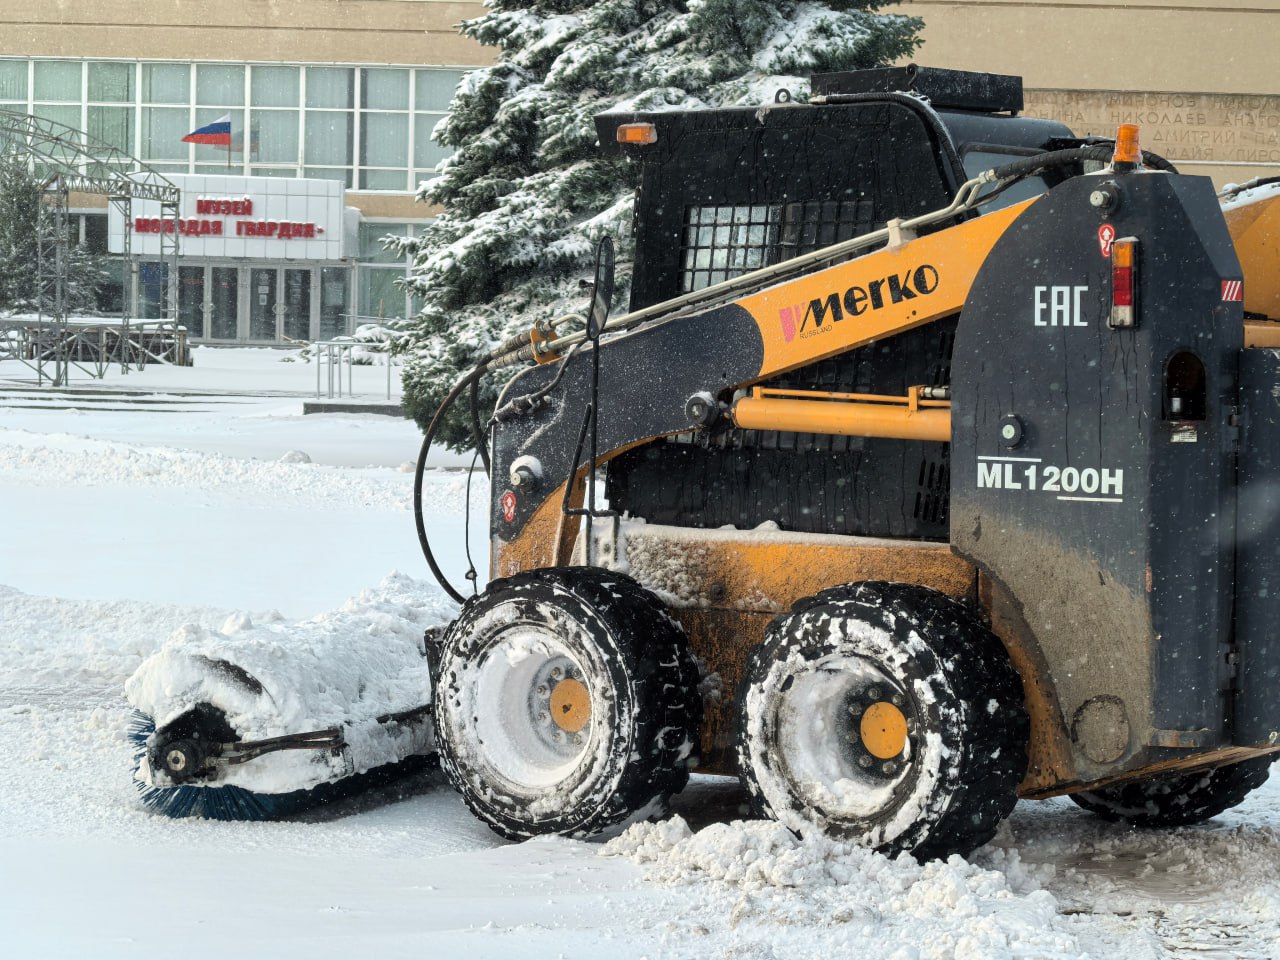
{"type": "Point", "coordinates": [122, 523]}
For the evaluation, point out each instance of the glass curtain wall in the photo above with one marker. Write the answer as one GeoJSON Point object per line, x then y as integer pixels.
{"type": "Point", "coordinates": [369, 127]}
{"type": "Point", "coordinates": [381, 273]}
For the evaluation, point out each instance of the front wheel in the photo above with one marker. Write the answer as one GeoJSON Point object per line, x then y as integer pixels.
{"type": "Point", "coordinates": [566, 702]}
{"type": "Point", "coordinates": [883, 713]}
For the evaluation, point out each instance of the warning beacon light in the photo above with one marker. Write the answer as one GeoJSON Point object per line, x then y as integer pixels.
{"type": "Point", "coordinates": [1127, 154]}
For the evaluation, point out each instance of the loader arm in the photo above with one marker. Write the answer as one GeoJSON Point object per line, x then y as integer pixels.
{"type": "Point", "coordinates": [649, 375]}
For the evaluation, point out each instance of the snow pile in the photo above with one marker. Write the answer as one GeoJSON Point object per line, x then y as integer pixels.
{"type": "Point", "coordinates": [767, 879]}
{"type": "Point", "coordinates": [62, 647]}
{"type": "Point", "coordinates": [344, 669]}
{"type": "Point", "coordinates": [93, 463]}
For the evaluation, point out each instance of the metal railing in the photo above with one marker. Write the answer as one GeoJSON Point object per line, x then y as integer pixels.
{"type": "Point", "coordinates": [330, 356]}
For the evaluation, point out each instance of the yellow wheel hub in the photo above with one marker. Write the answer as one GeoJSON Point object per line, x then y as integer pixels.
{"type": "Point", "coordinates": [570, 705]}
{"type": "Point", "coordinates": [884, 730]}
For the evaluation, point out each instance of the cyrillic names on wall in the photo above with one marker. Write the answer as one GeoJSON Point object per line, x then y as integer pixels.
{"type": "Point", "coordinates": [1205, 127]}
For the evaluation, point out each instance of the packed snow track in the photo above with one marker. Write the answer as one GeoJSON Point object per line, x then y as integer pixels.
{"type": "Point", "coordinates": [114, 541]}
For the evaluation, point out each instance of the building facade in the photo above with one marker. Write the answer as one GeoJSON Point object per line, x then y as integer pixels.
{"type": "Point", "coordinates": [326, 98]}
{"type": "Point", "coordinates": [1198, 76]}
{"type": "Point", "coordinates": [346, 93]}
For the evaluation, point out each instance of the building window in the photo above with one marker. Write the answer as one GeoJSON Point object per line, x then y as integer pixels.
{"type": "Point", "coordinates": [57, 80]}
{"type": "Point", "coordinates": [110, 82]}
{"type": "Point", "coordinates": [220, 85]}
{"type": "Point", "coordinates": [330, 87]}
{"type": "Point", "coordinates": [112, 125]}
{"type": "Point", "coordinates": [335, 296]}
{"type": "Point", "coordinates": [162, 131]}
{"type": "Point", "coordinates": [381, 273]}
{"type": "Point", "coordinates": [13, 81]}
{"type": "Point", "coordinates": [367, 127]}
{"type": "Point", "coordinates": [166, 83]}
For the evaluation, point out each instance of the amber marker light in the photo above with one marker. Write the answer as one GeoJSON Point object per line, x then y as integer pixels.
{"type": "Point", "coordinates": [1127, 153]}
{"type": "Point", "coordinates": [639, 134]}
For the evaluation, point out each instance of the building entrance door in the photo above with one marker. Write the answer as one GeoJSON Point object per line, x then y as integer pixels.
{"type": "Point", "coordinates": [257, 304]}
{"type": "Point", "coordinates": [222, 308]}
{"type": "Point", "coordinates": [280, 303]}
{"type": "Point", "coordinates": [208, 302]}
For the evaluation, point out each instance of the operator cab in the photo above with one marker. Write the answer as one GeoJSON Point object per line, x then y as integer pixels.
{"type": "Point", "coordinates": [727, 191]}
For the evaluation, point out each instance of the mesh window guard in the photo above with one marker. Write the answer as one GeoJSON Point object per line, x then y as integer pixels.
{"type": "Point", "coordinates": [727, 241]}
{"type": "Point", "coordinates": [814, 225]}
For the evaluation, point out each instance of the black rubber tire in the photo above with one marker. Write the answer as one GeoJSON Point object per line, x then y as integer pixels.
{"type": "Point", "coordinates": [645, 707]}
{"type": "Point", "coordinates": [956, 682]}
{"type": "Point", "coordinates": [1177, 799]}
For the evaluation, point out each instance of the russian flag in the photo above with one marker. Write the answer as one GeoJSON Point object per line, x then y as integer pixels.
{"type": "Point", "coordinates": [217, 134]}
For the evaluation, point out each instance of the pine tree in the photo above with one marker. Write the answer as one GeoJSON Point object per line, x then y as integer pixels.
{"type": "Point", "coordinates": [20, 219]}
{"type": "Point", "coordinates": [24, 219]}
{"type": "Point", "coordinates": [527, 194]}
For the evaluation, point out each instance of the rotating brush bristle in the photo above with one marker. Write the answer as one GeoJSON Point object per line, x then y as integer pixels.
{"type": "Point", "coordinates": [229, 802]}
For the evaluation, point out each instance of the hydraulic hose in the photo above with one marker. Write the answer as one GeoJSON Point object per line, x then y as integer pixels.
{"type": "Point", "coordinates": [472, 378]}
{"type": "Point", "coordinates": [477, 435]}
{"type": "Point", "coordinates": [1102, 152]}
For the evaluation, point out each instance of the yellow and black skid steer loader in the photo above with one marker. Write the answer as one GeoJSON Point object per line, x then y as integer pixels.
{"type": "Point", "coordinates": [936, 463]}
{"type": "Point", "coordinates": [933, 466]}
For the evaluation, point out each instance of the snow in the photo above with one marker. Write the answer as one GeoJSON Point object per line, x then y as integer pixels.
{"type": "Point", "coordinates": [128, 525]}
{"type": "Point", "coordinates": [342, 670]}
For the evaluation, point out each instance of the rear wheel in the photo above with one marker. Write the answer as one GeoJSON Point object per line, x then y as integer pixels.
{"type": "Point", "coordinates": [566, 702]}
{"type": "Point", "coordinates": [883, 713]}
{"type": "Point", "coordinates": [1177, 799]}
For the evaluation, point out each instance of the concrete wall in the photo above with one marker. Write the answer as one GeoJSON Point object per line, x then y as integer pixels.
{"type": "Point", "coordinates": [1198, 76]}
{"type": "Point", "coordinates": [305, 31]}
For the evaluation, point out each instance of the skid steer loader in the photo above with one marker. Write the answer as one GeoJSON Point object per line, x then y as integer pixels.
{"type": "Point", "coordinates": [934, 465]}
{"type": "Point", "coordinates": [939, 460]}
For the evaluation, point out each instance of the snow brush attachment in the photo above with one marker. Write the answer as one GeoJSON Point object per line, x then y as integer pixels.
{"type": "Point", "coordinates": [255, 722]}
{"type": "Point", "coordinates": [192, 796]}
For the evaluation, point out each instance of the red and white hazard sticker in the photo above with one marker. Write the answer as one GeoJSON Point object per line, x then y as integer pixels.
{"type": "Point", "coordinates": [1232, 291]}
{"type": "Point", "coordinates": [1106, 237]}
{"type": "Point", "coordinates": [508, 506]}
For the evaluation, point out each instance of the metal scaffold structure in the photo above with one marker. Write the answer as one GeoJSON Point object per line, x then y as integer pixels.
{"type": "Point", "coordinates": [64, 160]}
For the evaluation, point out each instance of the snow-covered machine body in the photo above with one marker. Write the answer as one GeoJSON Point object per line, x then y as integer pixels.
{"type": "Point", "coordinates": [258, 721]}
{"type": "Point", "coordinates": [955, 486]}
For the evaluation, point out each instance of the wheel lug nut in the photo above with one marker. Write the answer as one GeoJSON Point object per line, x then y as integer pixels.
{"type": "Point", "coordinates": [896, 700]}
{"type": "Point", "coordinates": [557, 673]}
{"type": "Point", "coordinates": [556, 736]}
{"type": "Point", "coordinates": [543, 718]}
{"type": "Point", "coordinates": [864, 762]}
{"type": "Point", "coordinates": [890, 767]}
{"type": "Point", "coordinates": [874, 693]}
{"type": "Point", "coordinates": [577, 739]}
{"type": "Point", "coordinates": [542, 691]}
{"type": "Point", "coordinates": [856, 709]}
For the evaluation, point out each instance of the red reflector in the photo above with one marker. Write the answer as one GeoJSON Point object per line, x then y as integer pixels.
{"type": "Point", "coordinates": [1122, 287]}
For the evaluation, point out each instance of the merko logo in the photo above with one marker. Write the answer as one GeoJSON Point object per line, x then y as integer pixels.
{"type": "Point", "coordinates": [857, 300]}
